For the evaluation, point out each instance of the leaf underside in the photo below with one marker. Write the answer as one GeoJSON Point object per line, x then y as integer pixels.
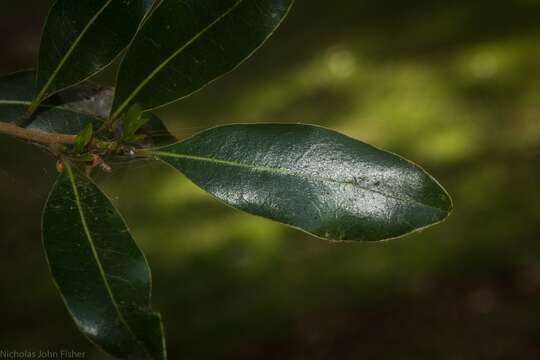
{"type": "Point", "coordinates": [102, 275]}
{"type": "Point", "coordinates": [184, 45]}
{"type": "Point", "coordinates": [311, 178]}
{"type": "Point", "coordinates": [69, 111]}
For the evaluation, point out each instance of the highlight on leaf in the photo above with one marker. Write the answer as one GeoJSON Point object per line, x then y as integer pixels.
{"type": "Point", "coordinates": [311, 178]}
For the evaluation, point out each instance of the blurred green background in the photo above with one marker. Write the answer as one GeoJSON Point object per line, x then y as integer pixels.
{"type": "Point", "coordinates": [451, 85]}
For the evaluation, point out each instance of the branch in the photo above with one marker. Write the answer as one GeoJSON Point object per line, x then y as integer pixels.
{"type": "Point", "coordinates": [36, 136]}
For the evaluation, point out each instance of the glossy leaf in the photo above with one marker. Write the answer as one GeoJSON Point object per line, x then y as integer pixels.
{"type": "Point", "coordinates": [82, 37]}
{"type": "Point", "coordinates": [16, 92]}
{"type": "Point", "coordinates": [311, 178]}
{"type": "Point", "coordinates": [183, 45]}
{"type": "Point", "coordinates": [102, 275]}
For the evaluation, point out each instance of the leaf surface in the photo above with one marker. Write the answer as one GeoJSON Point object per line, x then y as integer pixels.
{"type": "Point", "coordinates": [183, 45]}
{"type": "Point", "coordinates": [82, 37]}
{"type": "Point", "coordinates": [102, 275]}
{"type": "Point", "coordinates": [311, 178]}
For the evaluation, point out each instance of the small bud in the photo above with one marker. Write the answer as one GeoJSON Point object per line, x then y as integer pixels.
{"type": "Point", "coordinates": [96, 160]}
{"type": "Point", "coordinates": [105, 167]}
{"type": "Point", "coordinates": [59, 166]}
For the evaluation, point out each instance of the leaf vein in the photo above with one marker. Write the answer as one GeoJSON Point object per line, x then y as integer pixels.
{"type": "Point", "coordinates": [70, 51]}
{"type": "Point", "coordinates": [288, 172]}
{"type": "Point", "coordinates": [102, 271]}
{"type": "Point", "coordinates": [171, 58]}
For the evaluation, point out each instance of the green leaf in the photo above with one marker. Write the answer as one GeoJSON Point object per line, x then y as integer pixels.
{"type": "Point", "coordinates": [311, 178]}
{"type": "Point", "coordinates": [16, 91]}
{"type": "Point", "coordinates": [183, 45]}
{"type": "Point", "coordinates": [133, 121]}
{"type": "Point", "coordinates": [79, 157]}
{"type": "Point", "coordinates": [83, 138]}
{"type": "Point", "coordinates": [82, 37]}
{"type": "Point", "coordinates": [100, 272]}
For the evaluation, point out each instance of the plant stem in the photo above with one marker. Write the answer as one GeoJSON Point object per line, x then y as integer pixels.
{"type": "Point", "coordinates": [36, 136]}
{"type": "Point", "coordinates": [35, 104]}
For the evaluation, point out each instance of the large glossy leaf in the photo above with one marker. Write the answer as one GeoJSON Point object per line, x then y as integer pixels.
{"type": "Point", "coordinates": [82, 37]}
{"type": "Point", "coordinates": [16, 92]}
{"type": "Point", "coordinates": [312, 178]}
{"type": "Point", "coordinates": [102, 275]}
{"type": "Point", "coordinates": [186, 44]}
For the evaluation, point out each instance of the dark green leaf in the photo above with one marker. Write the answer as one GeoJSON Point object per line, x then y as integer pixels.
{"type": "Point", "coordinates": [102, 275]}
{"type": "Point", "coordinates": [16, 91]}
{"type": "Point", "coordinates": [183, 45]}
{"type": "Point", "coordinates": [82, 37]}
{"type": "Point", "coordinates": [311, 178]}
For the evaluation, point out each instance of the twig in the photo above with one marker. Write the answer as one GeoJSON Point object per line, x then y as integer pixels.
{"type": "Point", "coordinates": [36, 136]}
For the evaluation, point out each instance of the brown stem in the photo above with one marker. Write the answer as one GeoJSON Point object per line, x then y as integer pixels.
{"type": "Point", "coordinates": [36, 136]}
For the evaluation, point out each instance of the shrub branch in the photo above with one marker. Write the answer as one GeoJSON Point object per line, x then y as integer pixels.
{"type": "Point", "coordinates": [36, 136]}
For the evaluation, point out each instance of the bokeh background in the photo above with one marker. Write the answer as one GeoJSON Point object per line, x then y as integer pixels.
{"type": "Point", "coordinates": [452, 85]}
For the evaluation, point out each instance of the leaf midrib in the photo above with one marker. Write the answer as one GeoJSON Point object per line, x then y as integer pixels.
{"type": "Point", "coordinates": [283, 171]}
{"type": "Point", "coordinates": [102, 271]}
{"type": "Point", "coordinates": [171, 58]}
{"type": "Point", "coordinates": [70, 51]}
